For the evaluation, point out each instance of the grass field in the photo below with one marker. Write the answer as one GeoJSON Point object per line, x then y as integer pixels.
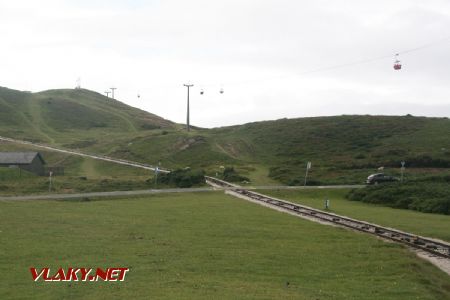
{"type": "Point", "coordinates": [201, 246]}
{"type": "Point", "coordinates": [430, 225]}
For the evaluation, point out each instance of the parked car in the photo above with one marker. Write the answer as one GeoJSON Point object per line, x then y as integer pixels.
{"type": "Point", "coordinates": [380, 178]}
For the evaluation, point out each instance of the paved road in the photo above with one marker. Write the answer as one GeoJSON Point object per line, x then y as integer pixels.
{"type": "Point", "coordinates": [94, 156]}
{"type": "Point", "coordinates": [103, 194]}
{"type": "Point", "coordinates": [115, 194]}
{"type": "Point", "coordinates": [309, 187]}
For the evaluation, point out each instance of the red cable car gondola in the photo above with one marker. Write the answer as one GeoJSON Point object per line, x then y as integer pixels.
{"type": "Point", "coordinates": [397, 64]}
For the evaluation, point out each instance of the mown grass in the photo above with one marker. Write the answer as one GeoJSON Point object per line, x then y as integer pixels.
{"type": "Point", "coordinates": [14, 174]}
{"type": "Point", "coordinates": [430, 225]}
{"type": "Point", "coordinates": [69, 184]}
{"type": "Point", "coordinates": [202, 246]}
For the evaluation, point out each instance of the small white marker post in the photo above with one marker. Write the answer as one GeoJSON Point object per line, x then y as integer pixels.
{"type": "Point", "coordinates": [308, 166]}
{"type": "Point", "coordinates": [402, 170]}
{"type": "Point", "coordinates": [327, 203]}
{"type": "Point", "coordinates": [50, 181]}
{"type": "Point", "coordinates": [156, 174]}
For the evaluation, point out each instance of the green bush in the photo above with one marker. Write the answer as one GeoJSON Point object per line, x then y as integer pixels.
{"type": "Point", "coordinates": [183, 178]}
{"type": "Point", "coordinates": [431, 195]}
{"type": "Point", "coordinates": [229, 174]}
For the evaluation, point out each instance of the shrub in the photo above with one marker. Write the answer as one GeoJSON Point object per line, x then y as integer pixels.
{"type": "Point", "coordinates": [229, 174]}
{"type": "Point", "coordinates": [183, 178]}
{"type": "Point", "coordinates": [148, 126]}
{"type": "Point", "coordinates": [431, 195]}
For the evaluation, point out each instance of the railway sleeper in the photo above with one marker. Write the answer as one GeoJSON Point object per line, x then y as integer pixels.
{"type": "Point", "coordinates": [419, 242]}
{"type": "Point", "coordinates": [378, 230]}
{"type": "Point", "coordinates": [431, 246]}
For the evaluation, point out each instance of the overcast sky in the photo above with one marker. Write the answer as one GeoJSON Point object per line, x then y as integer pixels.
{"type": "Point", "coordinates": [260, 52]}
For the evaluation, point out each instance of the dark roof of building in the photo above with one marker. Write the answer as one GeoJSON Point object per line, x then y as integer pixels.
{"type": "Point", "coordinates": [19, 158]}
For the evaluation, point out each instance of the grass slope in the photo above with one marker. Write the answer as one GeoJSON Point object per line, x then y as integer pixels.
{"type": "Point", "coordinates": [59, 116]}
{"type": "Point", "coordinates": [343, 149]}
{"type": "Point", "coordinates": [336, 144]}
{"type": "Point", "coordinates": [202, 246]}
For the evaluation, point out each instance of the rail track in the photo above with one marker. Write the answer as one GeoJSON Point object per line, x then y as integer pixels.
{"type": "Point", "coordinates": [428, 245]}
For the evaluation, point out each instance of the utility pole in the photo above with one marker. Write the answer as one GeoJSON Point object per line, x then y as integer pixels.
{"type": "Point", "coordinates": [112, 92]}
{"type": "Point", "coordinates": [187, 121]}
{"type": "Point", "coordinates": [107, 93]}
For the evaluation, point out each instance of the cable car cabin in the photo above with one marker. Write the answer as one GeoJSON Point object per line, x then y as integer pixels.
{"type": "Point", "coordinates": [397, 64]}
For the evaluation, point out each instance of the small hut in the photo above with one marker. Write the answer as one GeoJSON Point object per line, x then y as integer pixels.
{"type": "Point", "coordinates": [29, 161]}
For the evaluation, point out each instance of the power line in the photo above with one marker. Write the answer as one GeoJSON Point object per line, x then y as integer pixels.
{"type": "Point", "coordinates": [343, 65]}
{"type": "Point", "coordinates": [326, 68]}
{"type": "Point", "coordinates": [424, 46]}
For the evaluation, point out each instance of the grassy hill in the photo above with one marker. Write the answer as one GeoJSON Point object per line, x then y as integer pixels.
{"type": "Point", "coordinates": [70, 116]}
{"type": "Point", "coordinates": [337, 144]}
{"type": "Point", "coordinates": [72, 119]}
{"type": "Point", "coordinates": [342, 149]}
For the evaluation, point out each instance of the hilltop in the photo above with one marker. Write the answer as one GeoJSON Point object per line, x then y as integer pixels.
{"type": "Point", "coordinates": [56, 116]}
{"type": "Point", "coordinates": [341, 148]}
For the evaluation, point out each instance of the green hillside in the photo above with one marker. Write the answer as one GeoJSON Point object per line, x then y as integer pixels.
{"type": "Point", "coordinates": [342, 149]}
{"type": "Point", "coordinates": [58, 116]}
{"type": "Point", "coordinates": [337, 144]}
{"type": "Point", "coordinates": [72, 119]}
